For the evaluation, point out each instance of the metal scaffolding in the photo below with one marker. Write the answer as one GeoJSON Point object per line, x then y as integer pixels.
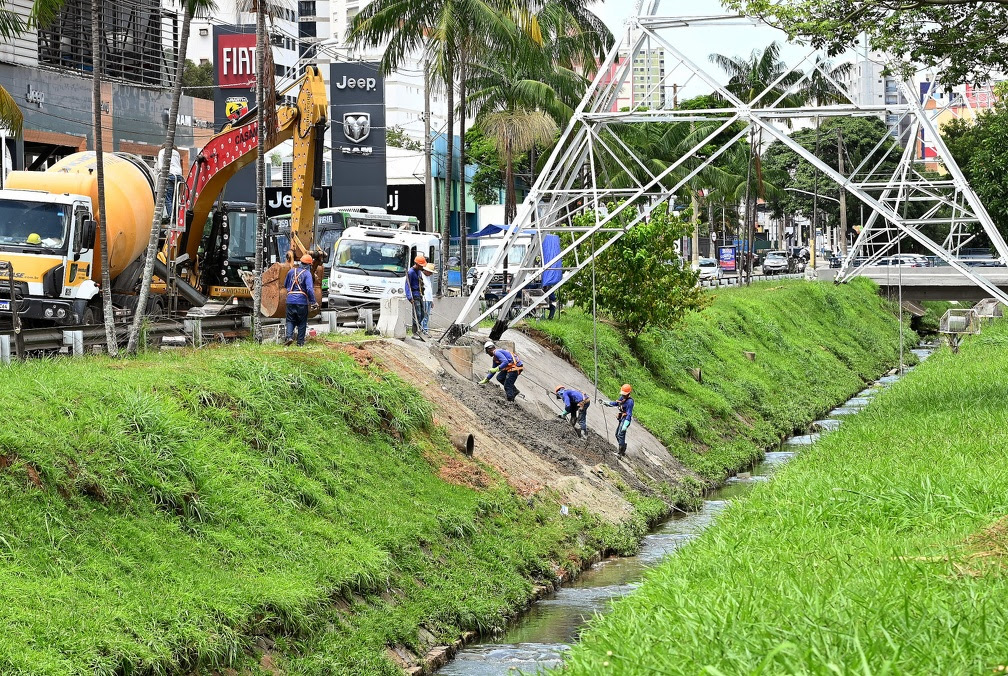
{"type": "Point", "coordinates": [593, 170]}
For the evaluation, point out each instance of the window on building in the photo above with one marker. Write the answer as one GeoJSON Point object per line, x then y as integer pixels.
{"type": "Point", "coordinates": [288, 174]}
{"type": "Point", "coordinates": [327, 173]}
{"type": "Point", "coordinates": [306, 7]}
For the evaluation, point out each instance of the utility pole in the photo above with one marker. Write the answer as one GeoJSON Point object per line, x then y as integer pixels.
{"type": "Point", "coordinates": [428, 178]}
{"type": "Point", "coordinates": [843, 196]}
{"type": "Point", "coordinates": [695, 242]}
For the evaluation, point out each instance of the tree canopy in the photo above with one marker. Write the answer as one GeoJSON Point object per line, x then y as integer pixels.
{"type": "Point", "coordinates": [961, 39]}
{"type": "Point", "coordinates": [643, 281]}
{"type": "Point", "coordinates": [197, 80]}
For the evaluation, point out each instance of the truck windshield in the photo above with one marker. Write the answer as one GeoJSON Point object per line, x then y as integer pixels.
{"type": "Point", "coordinates": [382, 258]}
{"type": "Point", "coordinates": [488, 251]}
{"type": "Point", "coordinates": [241, 242]}
{"type": "Point", "coordinates": [327, 239]}
{"type": "Point", "coordinates": [31, 225]}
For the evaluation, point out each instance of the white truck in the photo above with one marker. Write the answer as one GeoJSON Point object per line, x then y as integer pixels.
{"type": "Point", "coordinates": [501, 280]}
{"type": "Point", "coordinates": [370, 263]}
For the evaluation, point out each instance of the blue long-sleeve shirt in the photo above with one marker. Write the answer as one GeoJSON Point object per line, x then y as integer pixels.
{"type": "Point", "coordinates": [300, 286]}
{"type": "Point", "coordinates": [625, 408]}
{"type": "Point", "coordinates": [504, 361]}
{"type": "Point", "coordinates": [414, 284]}
{"type": "Point", "coordinates": [571, 398]}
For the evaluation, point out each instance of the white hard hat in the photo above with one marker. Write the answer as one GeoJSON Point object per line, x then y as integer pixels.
{"type": "Point", "coordinates": [488, 345]}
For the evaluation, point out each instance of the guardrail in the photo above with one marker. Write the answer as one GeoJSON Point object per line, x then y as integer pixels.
{"type": "Point", "coordinates": [78, 340]}
{"type": "Point", "coordinates": [734, 280]}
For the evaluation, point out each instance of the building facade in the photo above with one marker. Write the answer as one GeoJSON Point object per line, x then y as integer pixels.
{"type": "Point", "coordinates": [48, 72]}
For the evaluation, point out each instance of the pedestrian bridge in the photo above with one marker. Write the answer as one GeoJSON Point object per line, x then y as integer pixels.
{"type": "Point", "coordinates": [940, 283]}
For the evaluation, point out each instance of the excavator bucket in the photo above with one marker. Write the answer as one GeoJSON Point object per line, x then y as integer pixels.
{"type": "Point", "coordinates": [274, 294]}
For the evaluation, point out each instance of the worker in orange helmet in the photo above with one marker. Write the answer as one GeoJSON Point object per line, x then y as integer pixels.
{"type": "Point", "coordinates": [415, 293]}
{"type": "Point", "coordinates": [300, 296]}
{"type": "Point", "coordinates": [625, 404]}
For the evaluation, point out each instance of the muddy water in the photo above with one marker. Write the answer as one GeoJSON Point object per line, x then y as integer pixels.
{"type": "Point", "coordinates": [540, 637]}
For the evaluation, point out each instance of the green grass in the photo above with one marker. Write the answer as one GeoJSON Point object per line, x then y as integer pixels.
{"type": "Point", "coordinates": [161, 513]}
{"type": "Point", "coordinates": [861, 556]}
{"type": "Point", "coordinates": [934, 310]}
{"type": "Point", "coordinates": [815, 343]}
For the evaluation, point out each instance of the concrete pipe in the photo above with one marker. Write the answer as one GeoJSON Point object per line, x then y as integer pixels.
{"type": "Point", "coordinates": [464, 442]}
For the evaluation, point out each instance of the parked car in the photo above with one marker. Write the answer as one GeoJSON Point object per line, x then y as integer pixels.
{"type": "Point", "coordinates": [709, 269]}
{"type": "Point", "coordinates": [775, 263]}
{"type": "Point", "coordinates": [901, 261]}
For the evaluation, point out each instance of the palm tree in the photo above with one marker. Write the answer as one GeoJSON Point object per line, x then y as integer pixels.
{"type": "Point", "coordinates": [191, 9]}
{"type": "Point", "coordinates": [763, 77]}
{"type": "Point", "coordinates": [516, 131]}
{"type": "Point", "coordinates": [12, 24]}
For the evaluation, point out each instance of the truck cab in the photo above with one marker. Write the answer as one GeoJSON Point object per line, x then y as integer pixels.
{"type": "Point", "coordinates": [370, 263]}
{"type": "Point", "coordinates": [501, 280]}
{"type": "Point", "coordinates": [48, 239]}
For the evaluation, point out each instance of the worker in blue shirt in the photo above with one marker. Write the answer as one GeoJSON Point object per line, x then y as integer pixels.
{"type": "Point", "coordinates": [415, 293]}
{"type": "Point", "coordinates": [300, 296]}
{"type": "Point", "coordinates": [575, 403]}
{"type": "Point", "coordinates": [625, 403]}
{"type": "Point", "coordinates": [507, 367]}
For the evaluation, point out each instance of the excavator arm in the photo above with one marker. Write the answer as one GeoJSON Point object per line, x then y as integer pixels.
{"type": "Point", "coordinates": [236, 146]}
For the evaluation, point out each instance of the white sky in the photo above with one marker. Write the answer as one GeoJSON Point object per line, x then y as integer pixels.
{"type": "Point", "coordinates": [699, 43]}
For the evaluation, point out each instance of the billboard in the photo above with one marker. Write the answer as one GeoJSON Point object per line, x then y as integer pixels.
{"type": "Point", "coordinates": [357, 109]}
{"type": "Point", "coordinates": [726, 258]}
{"type": "Point", "coordinates": [234, 93]}
{"type": "Point", "coordinates": [279, 200]}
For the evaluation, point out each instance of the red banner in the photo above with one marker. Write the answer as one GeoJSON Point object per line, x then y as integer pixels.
{"type": "Point", "coordinates": [236, 61]}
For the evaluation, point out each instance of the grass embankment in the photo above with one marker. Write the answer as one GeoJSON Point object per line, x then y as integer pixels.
{"type": "Point", "coordinates": [164, 514]}
{"type": "Point", "coordinates": [815, 345]}
{"type": "Point", "coordinates": [882, 549]}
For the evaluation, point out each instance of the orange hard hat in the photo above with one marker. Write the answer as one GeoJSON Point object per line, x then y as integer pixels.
{"type": "Point", "coordinates": [307, 259]}
{"type": "Point", "coordinates": [420, 260]}
{"type": "Point", "coordinates": [558, 388]}
{"type": "Point", "coordinates": [626, 389]}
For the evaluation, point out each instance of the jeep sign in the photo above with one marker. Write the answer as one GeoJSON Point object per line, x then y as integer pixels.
{"type": "Point", "coordinates": [357, 105]}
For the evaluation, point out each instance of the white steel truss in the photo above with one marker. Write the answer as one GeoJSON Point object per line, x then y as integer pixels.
{"type": "Point", "coordinates": [593, 170]}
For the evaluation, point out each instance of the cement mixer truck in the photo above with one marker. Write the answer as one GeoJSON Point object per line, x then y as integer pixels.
{"type": "Point", "coordinates": [48, 234]}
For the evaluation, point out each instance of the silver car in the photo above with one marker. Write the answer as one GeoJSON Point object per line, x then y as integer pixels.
{"type": "Point", "coordinates": [775, 263]}
{"type": "Point", "coordinates": [709, 269]}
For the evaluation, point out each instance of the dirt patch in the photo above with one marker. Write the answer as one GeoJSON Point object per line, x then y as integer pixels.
{"type": "Point", "coordinates": [540, 430]}
{"type": "Point", "coordinates": [456, 471]}
{"type": "Point", "coordinates": [495, 445]}
{"type": "Point", "coordinates": [987, 550]}
{"type": "Point", "coordinates": [360, 355]}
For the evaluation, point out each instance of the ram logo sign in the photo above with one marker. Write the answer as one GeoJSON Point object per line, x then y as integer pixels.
{"type": "Point", "coordinates": [356, 126]}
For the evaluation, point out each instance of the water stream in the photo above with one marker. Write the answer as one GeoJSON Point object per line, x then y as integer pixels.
{"type": "Point", "coordinates": [539, 638]}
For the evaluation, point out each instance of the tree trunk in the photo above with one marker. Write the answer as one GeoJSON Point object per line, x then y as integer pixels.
{"type": "Point", "coordinates": [463, 224]}
{"type": "Point", "coordinates": [509, 190]}
{"type": "Point", "coordinates": [261, 47]}
{"type": "Point", "coordinates": [449, 167]}
{"type": "Point", "coordinates": [695, 241]}
{"type": "Point", "coordinates": [428, 174]}
{"type": "Point", "coordinates": [162, 183]}
{"type": "Point", "coordinates": [106, 280]}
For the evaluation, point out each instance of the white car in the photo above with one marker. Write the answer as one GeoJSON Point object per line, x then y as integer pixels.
{"type": "Point", "coordinates": [708, 269]}
{"type": "Point", "coordinates": [775, 262]}
{"type": "Point", "coordinates": [903, 261]}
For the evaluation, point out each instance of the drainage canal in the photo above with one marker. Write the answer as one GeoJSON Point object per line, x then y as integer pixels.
{"type": "Point", "coordinates": [539, 638]}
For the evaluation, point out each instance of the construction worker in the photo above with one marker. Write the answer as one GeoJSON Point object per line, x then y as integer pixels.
{"type": "Point", "coordinates": [428, 294]}
{"type": "Point", "coordinates": [575, 404]}
{"type": "Point", "coordinates": [625, 403]}
{"type": "Point", "coordinates": [415, 293]}
{"type": "Point", "coordinates": [507, 367]}
{"type": "Point", "coordinates": [300, 296]}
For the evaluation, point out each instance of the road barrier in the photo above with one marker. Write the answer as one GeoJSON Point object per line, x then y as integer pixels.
{"type": "Point", "coordinates": [79, 340]}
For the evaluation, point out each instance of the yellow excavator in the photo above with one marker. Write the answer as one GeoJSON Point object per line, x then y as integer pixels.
{"type": "Point", "coordinates": [213, 246]}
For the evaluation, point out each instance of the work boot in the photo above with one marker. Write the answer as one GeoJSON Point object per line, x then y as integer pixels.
{"type": "Point", "coordinates": [583, 434]}
{"type": "Point", "coordinates": [288, 342]}
{"type": "Point", "coordinates": [622, 451]}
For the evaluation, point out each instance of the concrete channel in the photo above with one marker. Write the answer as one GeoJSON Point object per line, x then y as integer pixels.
{"type": "Point", "coordinates": [541, 636]}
